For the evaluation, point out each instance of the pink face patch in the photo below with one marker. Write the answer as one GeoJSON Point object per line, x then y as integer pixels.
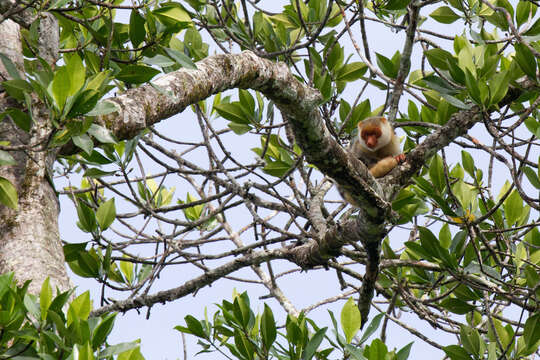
{"type": "Point", "coordinates": [370, 134]}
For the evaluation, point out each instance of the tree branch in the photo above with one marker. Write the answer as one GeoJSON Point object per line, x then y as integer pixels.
{"type": "Point", "coordinates": [172, 93]}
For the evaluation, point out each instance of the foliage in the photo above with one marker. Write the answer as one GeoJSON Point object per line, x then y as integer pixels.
{"type": "Point", "coordinates": [249, 336]}
{"type": "Point", "coordinates": [55, 327]}
{"type": "Point", "coordinates": [468, 260]}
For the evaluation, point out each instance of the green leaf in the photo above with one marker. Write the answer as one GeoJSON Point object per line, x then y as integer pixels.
{"type": "Point", "coordinates": [344, 110]}
{"type": "Point", "coordinates": [6, 158]}
{"type": "Point", "coordinates": [513, 207]}
{"type": "Point", "coordinates": [181, 58]}
{"type": "Point", "coordinates": [524, 9]}
{"type": "Point", "coordinates": [472, 86]}
{"type": "Point", "coordinates": [350, 320]}
{"type": "Point", "coordinates": [531, 331]}
{"type": "Point", "coordinates": [532, 176]}
{"type": "Point", "coordinates": [413, 112]}
{"type": "Point", "coordinates": [71, 251]}
{"type": "Point", "coordinates": [101, 134]}
{"type": "Point", "coordinates": [498, 86]}
{"type": "Point", "coordinates": [455, 352]}
{"type": "Point", "coordinates": [533, 126]}
{"type": "Point", "coordinates": [352, 71]}
{"type": "Point", "coordinates": [58, 4]}
{"type": "Point", "coordinates": [133, 354]}
{"type": "Point", "coordinates": [455, 71]}
{"type": "Point", "coordinates": [456, 306]}
{"type": "Point", "coordinates": [356, 353]}
{"type": "Point", "coordinates": [294, 333]}
{"type": "Point", "coordinates": [60, 87]}
{"type": "Point", "coordinates": [87, 218]}
{"type": "Point", "coordinates": [239, 129]}
{"type": "Point", "coordinates": [193, 212]}
{"type": "Point", "coordinates": [335, 57]}
{"type": "Point", "coordinates": [403, 353]}
{"type": "Point", "coordinates": [324, 84]}
{"type": "Point", "coordinates": [276, 168]}
{"type": "Point", "coordinates": [241, 311]}
{"type": "Point", "coordinates": [445, 236]}
{"type": "Point", "coordinates": [372, 327]}
{"type": "Point", "coordinates": [471, 340]}
{"type": "Point", "coordinates": [244, 347]}
{"type": "Point", "coordinates": [31, 305]}
{"type": "Point", "coordinates": [468, 162]}
{"type": "Point", "coordinates": [45, 298]}
{"type": "Point", "coordinates": [77, 73]}
{"type": "Point", "coordinates": [436, 173]}
{"type": "Point", "coordinates": [534, 29]}
{"type": "Point", "coordinates": [8, 193]}
{"type": "Point", "coordinates": [268, 327]}
{"type": "Point", "coordinates": [102, 330]}
{"type": "Point", "coordinates": [10, 67]}
{"type": "Point", "coordinates": [17, 88]}
{"type": "Point", "coordinates": [444, 15]}
{"type": "Point", "coordinates": [432, 245]}
{"type": "Point", "coordinates": [159, 60]}
{"type": "Point", "coordinates": [106, 214]}
{"type": "Point", "coordinates": [103, 108]}
{"type": "Point", "coordinates": [456, 102]}
{"type": "Point", "coordinates": [173, 14]}
{"type": "Point", "coordinates": [20, 118]}
{"type": "Point", "coordinates": [525, 59]}
{"type": "Point", "coordinates": [96, 173]}
{"type": "Point", "coordinates": [247, 102]}
{"type": "Point", "coordinates": [98, 81]}
{"type": "Point", "coordinates": [84, 142]}
{"type": "Point", "coordinates": [118, 349]}
{"type": "Point", "coordinates": [137, 31]}
{"type": "Point", "coordinates": [84, 101]}
{"type": "Point", "coordinates": [492, 351]}
{"type": "Point", "coordinates": [387, 66]}
{"type": "Point", "coordinates": [313, 344]}
{"type": "Point", "coordinates": [466, 194]}
{"type": "Point", "coordinates": [438, 84]}
{"type": "Point", "coordinates": [359, 112]}
{"type": "Point", "coordinates": [136, 74]}
{"type": "Point", "coordinates": [79, 309]}
{"type": "Point", "coordinates": [126, 267]}
{"type": "Point", "coordinates": [377, 350]}
{"type": "Point", "coordinates": [438, 58]}
{"type": "Point", "coordinates": [429, 242]}
{"type": "Point", "coordinates": [418, 250]}
{"type": "Point", "coordinates": [397, 4]}
{"type": "Point", "coordinates": [195, 326]}
{"type": "Point", "coordinates": [232, 112]}
{"type": "Point", "coordinates": [82, 352]}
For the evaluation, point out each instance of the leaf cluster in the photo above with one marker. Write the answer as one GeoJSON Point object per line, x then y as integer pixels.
{"type": "Point", "coordinates": [55, 327]}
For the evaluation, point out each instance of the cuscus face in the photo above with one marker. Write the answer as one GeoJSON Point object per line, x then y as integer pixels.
{"type": "Point", "coordinates": [375, 132]}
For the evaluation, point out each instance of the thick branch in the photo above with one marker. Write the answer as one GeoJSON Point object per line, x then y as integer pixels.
{"type": "Point", "coordinates": [146, 105]}
{"type": "Point", "coordinates": [458, 125]}
{"type": "Point", "coordinates": [318, 253]}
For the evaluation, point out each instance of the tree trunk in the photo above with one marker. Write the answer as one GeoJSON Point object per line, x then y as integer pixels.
{"type": "Point", "coordinates": [30, 243]}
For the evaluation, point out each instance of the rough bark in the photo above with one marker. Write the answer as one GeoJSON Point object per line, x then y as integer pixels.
{"type": "Point", "coordinates": [30, 243]}
{"type": "Point", "coordinates": [144, 106]}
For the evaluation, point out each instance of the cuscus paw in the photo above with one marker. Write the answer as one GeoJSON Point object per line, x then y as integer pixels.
{"type": "Point", "coordinates": [400, 158]}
